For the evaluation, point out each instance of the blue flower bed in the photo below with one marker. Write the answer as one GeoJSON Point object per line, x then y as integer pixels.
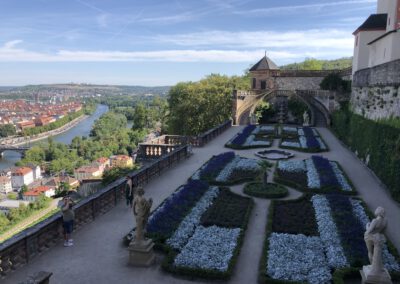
{"type": "Point", "coordinates": [312, 142]}
{"type": "Point", "coordinates": [350, 229]}
{"type": "Point", "coordinates": [326, 174]}
{"type": "Point", "coordinates": [307, 140]}
{"type": "Point", "coordinates": [167, 217]}
{"type": "Point", "coordinates": [308, 131]}
{"type": "Point", "coordinates": [215, 165]}
{"type": "Point", "coordinates": [240, 139]}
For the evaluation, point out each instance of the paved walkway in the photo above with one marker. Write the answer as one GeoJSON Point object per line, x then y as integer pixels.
{"type": "Point", "coordinates": [98, 255]}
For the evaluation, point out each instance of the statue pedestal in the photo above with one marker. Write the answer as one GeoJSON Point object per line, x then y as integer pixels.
{"type": "Point", "coordinates": [381, 278]}
{"type": "Point", "coordinates": [141, 253]}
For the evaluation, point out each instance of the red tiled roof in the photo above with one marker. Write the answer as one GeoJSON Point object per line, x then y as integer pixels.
{"type": "Point", "coordinates": [22, 171]}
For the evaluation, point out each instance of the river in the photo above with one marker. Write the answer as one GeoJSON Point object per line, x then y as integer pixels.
{"type": "Point", "coordinates": [81, 129]}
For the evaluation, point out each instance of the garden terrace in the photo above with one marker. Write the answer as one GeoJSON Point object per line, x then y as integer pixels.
{"type": "Point", "coordinates": [97, 244]}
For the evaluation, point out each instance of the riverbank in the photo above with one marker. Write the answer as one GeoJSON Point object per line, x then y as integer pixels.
{"type": "Point", "coordinates": [18, 141]}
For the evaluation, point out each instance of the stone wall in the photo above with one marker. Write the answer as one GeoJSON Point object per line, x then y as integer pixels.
{"type": "Point", "coordinates": [298, 83]}
{"type": "Point", "coordinates": [376, 91]}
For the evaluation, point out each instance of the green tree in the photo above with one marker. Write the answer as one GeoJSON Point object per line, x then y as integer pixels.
{"type": "Point", "coordinates": [334, 82]}
{"type": "Point", "coordinates": [4, 221]}
{"type": "Point", "coordinates": [140, 117]}
{"type": "Point", "coordinates": [7, 130]}
{"type": "Point", "coordinates": [195, 107]}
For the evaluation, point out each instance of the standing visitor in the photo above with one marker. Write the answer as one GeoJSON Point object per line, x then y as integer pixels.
{"type": "Point", "coordinates": [68, 220]}
{"type": "Point", "coordinates": [129, 191]}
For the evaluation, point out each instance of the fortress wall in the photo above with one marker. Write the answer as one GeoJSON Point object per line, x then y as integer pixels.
{"type": "Point", "coordinates": [376, 91]}
{"type": "Point", "coordinates": [298, 83]}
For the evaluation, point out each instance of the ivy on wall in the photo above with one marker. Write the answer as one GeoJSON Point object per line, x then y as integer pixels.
{"type": "Point", "coordinates": [375, 142]}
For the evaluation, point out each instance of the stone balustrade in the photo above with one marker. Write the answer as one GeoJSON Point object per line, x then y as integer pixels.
{"type": "Point", "coordinates": [165, 144]}
{"type": "Point", "coordinates": [23, 247]}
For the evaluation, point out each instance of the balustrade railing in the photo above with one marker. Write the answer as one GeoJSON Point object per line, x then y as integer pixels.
{"type": "Point", "coordinates": [23, 247]}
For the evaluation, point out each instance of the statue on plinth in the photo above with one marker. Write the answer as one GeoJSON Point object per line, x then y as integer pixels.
{"type": "Point", "coordinates": [306, 119]}
{"type": "Point", "coordinates": [141, 210]}
{"type": "Point", "coordinates": [375, 240]}
{"type": "Point", "coordinates": [141, 249]}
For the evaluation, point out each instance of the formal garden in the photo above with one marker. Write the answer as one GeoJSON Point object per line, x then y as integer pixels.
{"type": "Point", "coordinates": [305, 139]}
{"type": "Point", "coordinates": [253, 136]}
{"type": "Point", "coordinates": [318, 239]}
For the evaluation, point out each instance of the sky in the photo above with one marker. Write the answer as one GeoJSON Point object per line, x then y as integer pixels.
{"type": "Point", "coordinates": [154, 42]}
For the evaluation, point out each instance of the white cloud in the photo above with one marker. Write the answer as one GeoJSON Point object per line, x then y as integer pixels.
{"type": "Point", "coordinates": [11, 44]}
{"type": "Point", "coordinates": [328, 38]}
{"type": "Point", "coordinates": [213, 46]}
{"type": "Point", "coordinates": [299, 8]}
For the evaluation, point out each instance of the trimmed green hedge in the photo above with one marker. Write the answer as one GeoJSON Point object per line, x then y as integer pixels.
{"type": "Point", "coordinates": [271, 190]}
{"type": "Point", "coordinates": [380, 141]}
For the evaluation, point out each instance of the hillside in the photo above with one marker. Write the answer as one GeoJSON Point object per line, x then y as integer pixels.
{"type": "Point", "coordinates": [79, 90]}
{"type": "Point", "coordinates": [317, 64]}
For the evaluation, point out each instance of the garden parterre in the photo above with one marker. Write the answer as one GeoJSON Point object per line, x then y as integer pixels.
{"type": "Point", "coordinates": [303, 139]}
{"type": "Point", "coordinates": [306, 257]}
{"type": "Point", "coordinates": [227, 168]}
{"type": "Point", "coordinates": [209, 238]}
{"type": "Point", "coordinates": [253, 136]}
{"type": "Point", "coordinates": [314, 174]}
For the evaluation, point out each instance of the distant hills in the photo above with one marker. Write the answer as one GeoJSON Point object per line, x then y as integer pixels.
{"type": "Point", "coordinates": [317, 64]}
{"type": "Point", "coordinates": [82, 90]}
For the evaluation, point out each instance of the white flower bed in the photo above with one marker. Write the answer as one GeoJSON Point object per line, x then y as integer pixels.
{"type": "Point", "coordinates": [290, 144]}
{"type": "Point", "coordinates": [321, 143]}
{"type": "Point", "coordinates": [192, 220]}
{"type": "Point", "coordinates": [209, 248]}
{"type": "Point", "coordinates": [290, 129]}
{"type": "Point", "coordinates": [238, 163]}
{"type": "Point", "coordinates": [250, 141]}
{"type": "Point", "coordinates": [292, 166]}
{"type": "Point", "coordinates": [227, 171]}
{"type": "Point", "coordinates": [297, 258]}
{"type": "Point", "coordinates": [388, 259]}
{"type": "Point", "coordinates": [300, 131]}
{"type": "Point", "coordinates": [328, 232]}
{"type": "Point", "coordinates": [303, 142]}
{"type": "Point", "coordinates": [313, 180]}
{"type": "Point", "coordinates": [340, 177]}
{"type": "Point", "coordinates": [265, 128]}
{"type": "Point", "coordinates": [315, 132]}
{"type": "Point", "coordinates": [196, 175]}
{"type": "Point", "coordinates": [248, 165]}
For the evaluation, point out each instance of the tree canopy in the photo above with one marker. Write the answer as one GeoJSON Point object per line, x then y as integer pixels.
{"type": "Point", "coordinates": [195, 107]}
{"type": "Point", "coordinates": [317, 64]}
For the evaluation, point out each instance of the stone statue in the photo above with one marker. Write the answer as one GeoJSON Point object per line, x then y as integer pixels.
{"type": "Point", "coordinates": [306, 119]}
{"type": "Point", "coordinates": [141, 210]}
{"type": "Point", "coordinates": [141, 249]}
{"type": "Point", "coordinates": [375, 240]}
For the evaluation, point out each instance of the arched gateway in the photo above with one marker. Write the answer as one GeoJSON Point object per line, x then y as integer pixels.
{"type": "Point", "coordinates": [269, 82]}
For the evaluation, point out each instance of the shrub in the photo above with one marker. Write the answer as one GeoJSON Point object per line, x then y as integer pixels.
{"type": "Point", "coordinates": [270, 190]}
{"type": "Point", "coordinates": [227, 211]}
{"type": "Point", "coordinates": [294, 217]}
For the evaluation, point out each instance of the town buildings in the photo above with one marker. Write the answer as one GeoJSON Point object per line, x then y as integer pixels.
{"type": "Point", "coordinates": [25, 115]}
{"type": "Point", "coordinates": [35, 192]}
{"type": "Point", "coordinates": [92, 171]}
{"type": "Point", "coordinates": [121, 161]}
{"type": "Point", "coordinates": [5, 184]}
{"type": "Point", "coordinates": [21, 176]}
{"type": "Point", "coordinates": [7, 205]}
